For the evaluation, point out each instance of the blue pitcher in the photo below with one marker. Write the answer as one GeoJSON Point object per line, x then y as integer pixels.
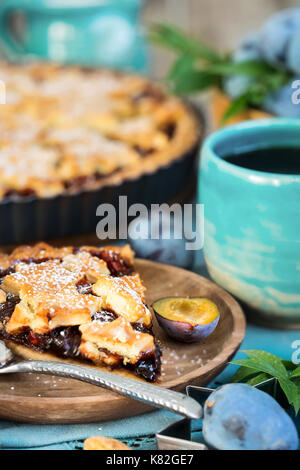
{"type": "Point", "coordinates": [84, 32]}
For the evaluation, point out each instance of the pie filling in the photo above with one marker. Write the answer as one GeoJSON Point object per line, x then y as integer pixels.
{"type": "Point", "coordinates": [82, 303]}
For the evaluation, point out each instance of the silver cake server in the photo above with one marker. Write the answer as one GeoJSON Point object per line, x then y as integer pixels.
{"type": "Point", "coordinates": [142, 391]}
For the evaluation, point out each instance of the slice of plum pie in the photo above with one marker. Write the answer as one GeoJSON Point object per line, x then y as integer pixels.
{"type": "Point", "coordinates": [84, 303]}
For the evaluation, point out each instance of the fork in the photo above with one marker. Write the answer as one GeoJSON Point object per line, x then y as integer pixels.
{"type": "Point", "coordinates": [142, 391]}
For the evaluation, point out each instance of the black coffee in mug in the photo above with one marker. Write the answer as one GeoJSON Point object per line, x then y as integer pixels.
{"type": "Point", "coordinates": [282, 160]}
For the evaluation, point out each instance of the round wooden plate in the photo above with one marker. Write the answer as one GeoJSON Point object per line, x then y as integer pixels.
{"type": "Point", "coordinates": [45, 399]}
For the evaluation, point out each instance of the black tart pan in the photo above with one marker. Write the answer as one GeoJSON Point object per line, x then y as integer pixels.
{"type": "Point", "coordinates": [29, 219]}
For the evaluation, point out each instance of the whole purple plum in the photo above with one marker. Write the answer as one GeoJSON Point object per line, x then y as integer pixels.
{"type": "Point", "coordinates": [276, 36]}
{"type": "Point", "coordinates": [241, 417]}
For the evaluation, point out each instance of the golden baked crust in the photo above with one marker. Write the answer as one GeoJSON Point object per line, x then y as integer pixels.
{"type": "Point", "coordinates": [125, 296]}
{"type": "Point", "coordinates": [104, 443]}
{"type": "Point", "coordinates": [49, 297]}
{"type": "Point", "coordinates": [65, 128]}
{"type": "Point", "coordinates": [42, 251]}
{"type": "Point", "coordinates": [85, 303]}
{"type": "Point", "coordinates": [118, 336]}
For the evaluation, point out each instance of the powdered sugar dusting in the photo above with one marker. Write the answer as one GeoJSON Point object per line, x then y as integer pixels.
{"type": "Point", "coordinates": [51, 284]}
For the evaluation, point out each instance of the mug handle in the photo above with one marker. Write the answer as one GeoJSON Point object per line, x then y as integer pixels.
{"type": "Point", "coordinates": [11, 45]}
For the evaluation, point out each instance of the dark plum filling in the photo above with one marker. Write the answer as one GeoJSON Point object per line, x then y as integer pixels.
{"type": "Point", "coordinates": [65, 341]}
{"type": "Point", "coordinates": [169, 129]}
{"type": "Point", "coordinates": [104, 316]}
{"type": "Point", "coordinates": [143, 152]}
{"type": "Point", "coordinates": [13, 193]}
{"type": "Point", "coordinates": [84, 286]}
{"type": "Point", "coordinates": [149, 366]}
{"type": "Point", "coordinates": [74, 184]}
{"type": "Point", "coordinates": [7, 308]}
{"type": "Point", "coordinates": [142, 328]}
{"type": "Point", "coordinates": [117, 265]}
{"type": "Point", "coordinates": [81, 181]}
{"type": "Point", "coordinates": [150, 91]}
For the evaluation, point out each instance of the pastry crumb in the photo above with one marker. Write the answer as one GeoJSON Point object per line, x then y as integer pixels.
{"type": "Point", "coordinates": [104, 443]}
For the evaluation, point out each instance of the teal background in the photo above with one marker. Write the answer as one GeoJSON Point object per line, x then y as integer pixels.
{"type": "Point", "coordinates": [252, 220]}
{"type": "Point", "coordinates": [91, 32]}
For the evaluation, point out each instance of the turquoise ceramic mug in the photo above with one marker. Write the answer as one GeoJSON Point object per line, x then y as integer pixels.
{"type": "Point", "coordinates": [252, 221]}
{"type": "Point", "coordinates": [85, 32]}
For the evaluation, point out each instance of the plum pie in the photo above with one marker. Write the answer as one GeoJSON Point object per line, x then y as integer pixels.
{"type": "Point", "coordinates": [65, 129]}
{"type": "Point", "coordinates": [82, 303]}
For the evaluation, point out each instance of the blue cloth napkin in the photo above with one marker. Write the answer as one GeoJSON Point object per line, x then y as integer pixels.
{"type": "Point", "coordinates": [66, 436]}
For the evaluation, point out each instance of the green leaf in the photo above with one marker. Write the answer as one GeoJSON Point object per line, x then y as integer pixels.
{"type": "Point", "coordinates": [261, 366]}
{"type": "Point", "coordinates": [194, 81]}
{"type": "Point", "coordinates": [175, 39]}
{"type": "Point", "coordinates": [295, 373]}
{"type": "Point", "coordinates": [289, 365]}
{"type": "Point", "coordinates": [272, 362]}
{"type": "Point", "coordinates": [255, 97]}
{"type": "Point", "coordinates": [242, 374]}
{"type": "Point", "coordinates": [296, 403]}
{"type": "Point", "coordinates": [199, 67]}
{"type": "Point", "coordinates": [251, 68]}
{"type": "Point", "coordinates": [257, 379]}
{"type": "Point", "coordinates": [290, 390]}
{"type": "Point", "coordinates": [252, 364]}
{"type": "Point", "coordinates": [277, 80]}
{"type": "Point", "coordinates": [272, 366]}
{"type": "Point", "coordinates": [237, 106]}
{"type": "Point", "coordinates": [184, 64]}
{"type": "Point", "coordinates": [184, 78]}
